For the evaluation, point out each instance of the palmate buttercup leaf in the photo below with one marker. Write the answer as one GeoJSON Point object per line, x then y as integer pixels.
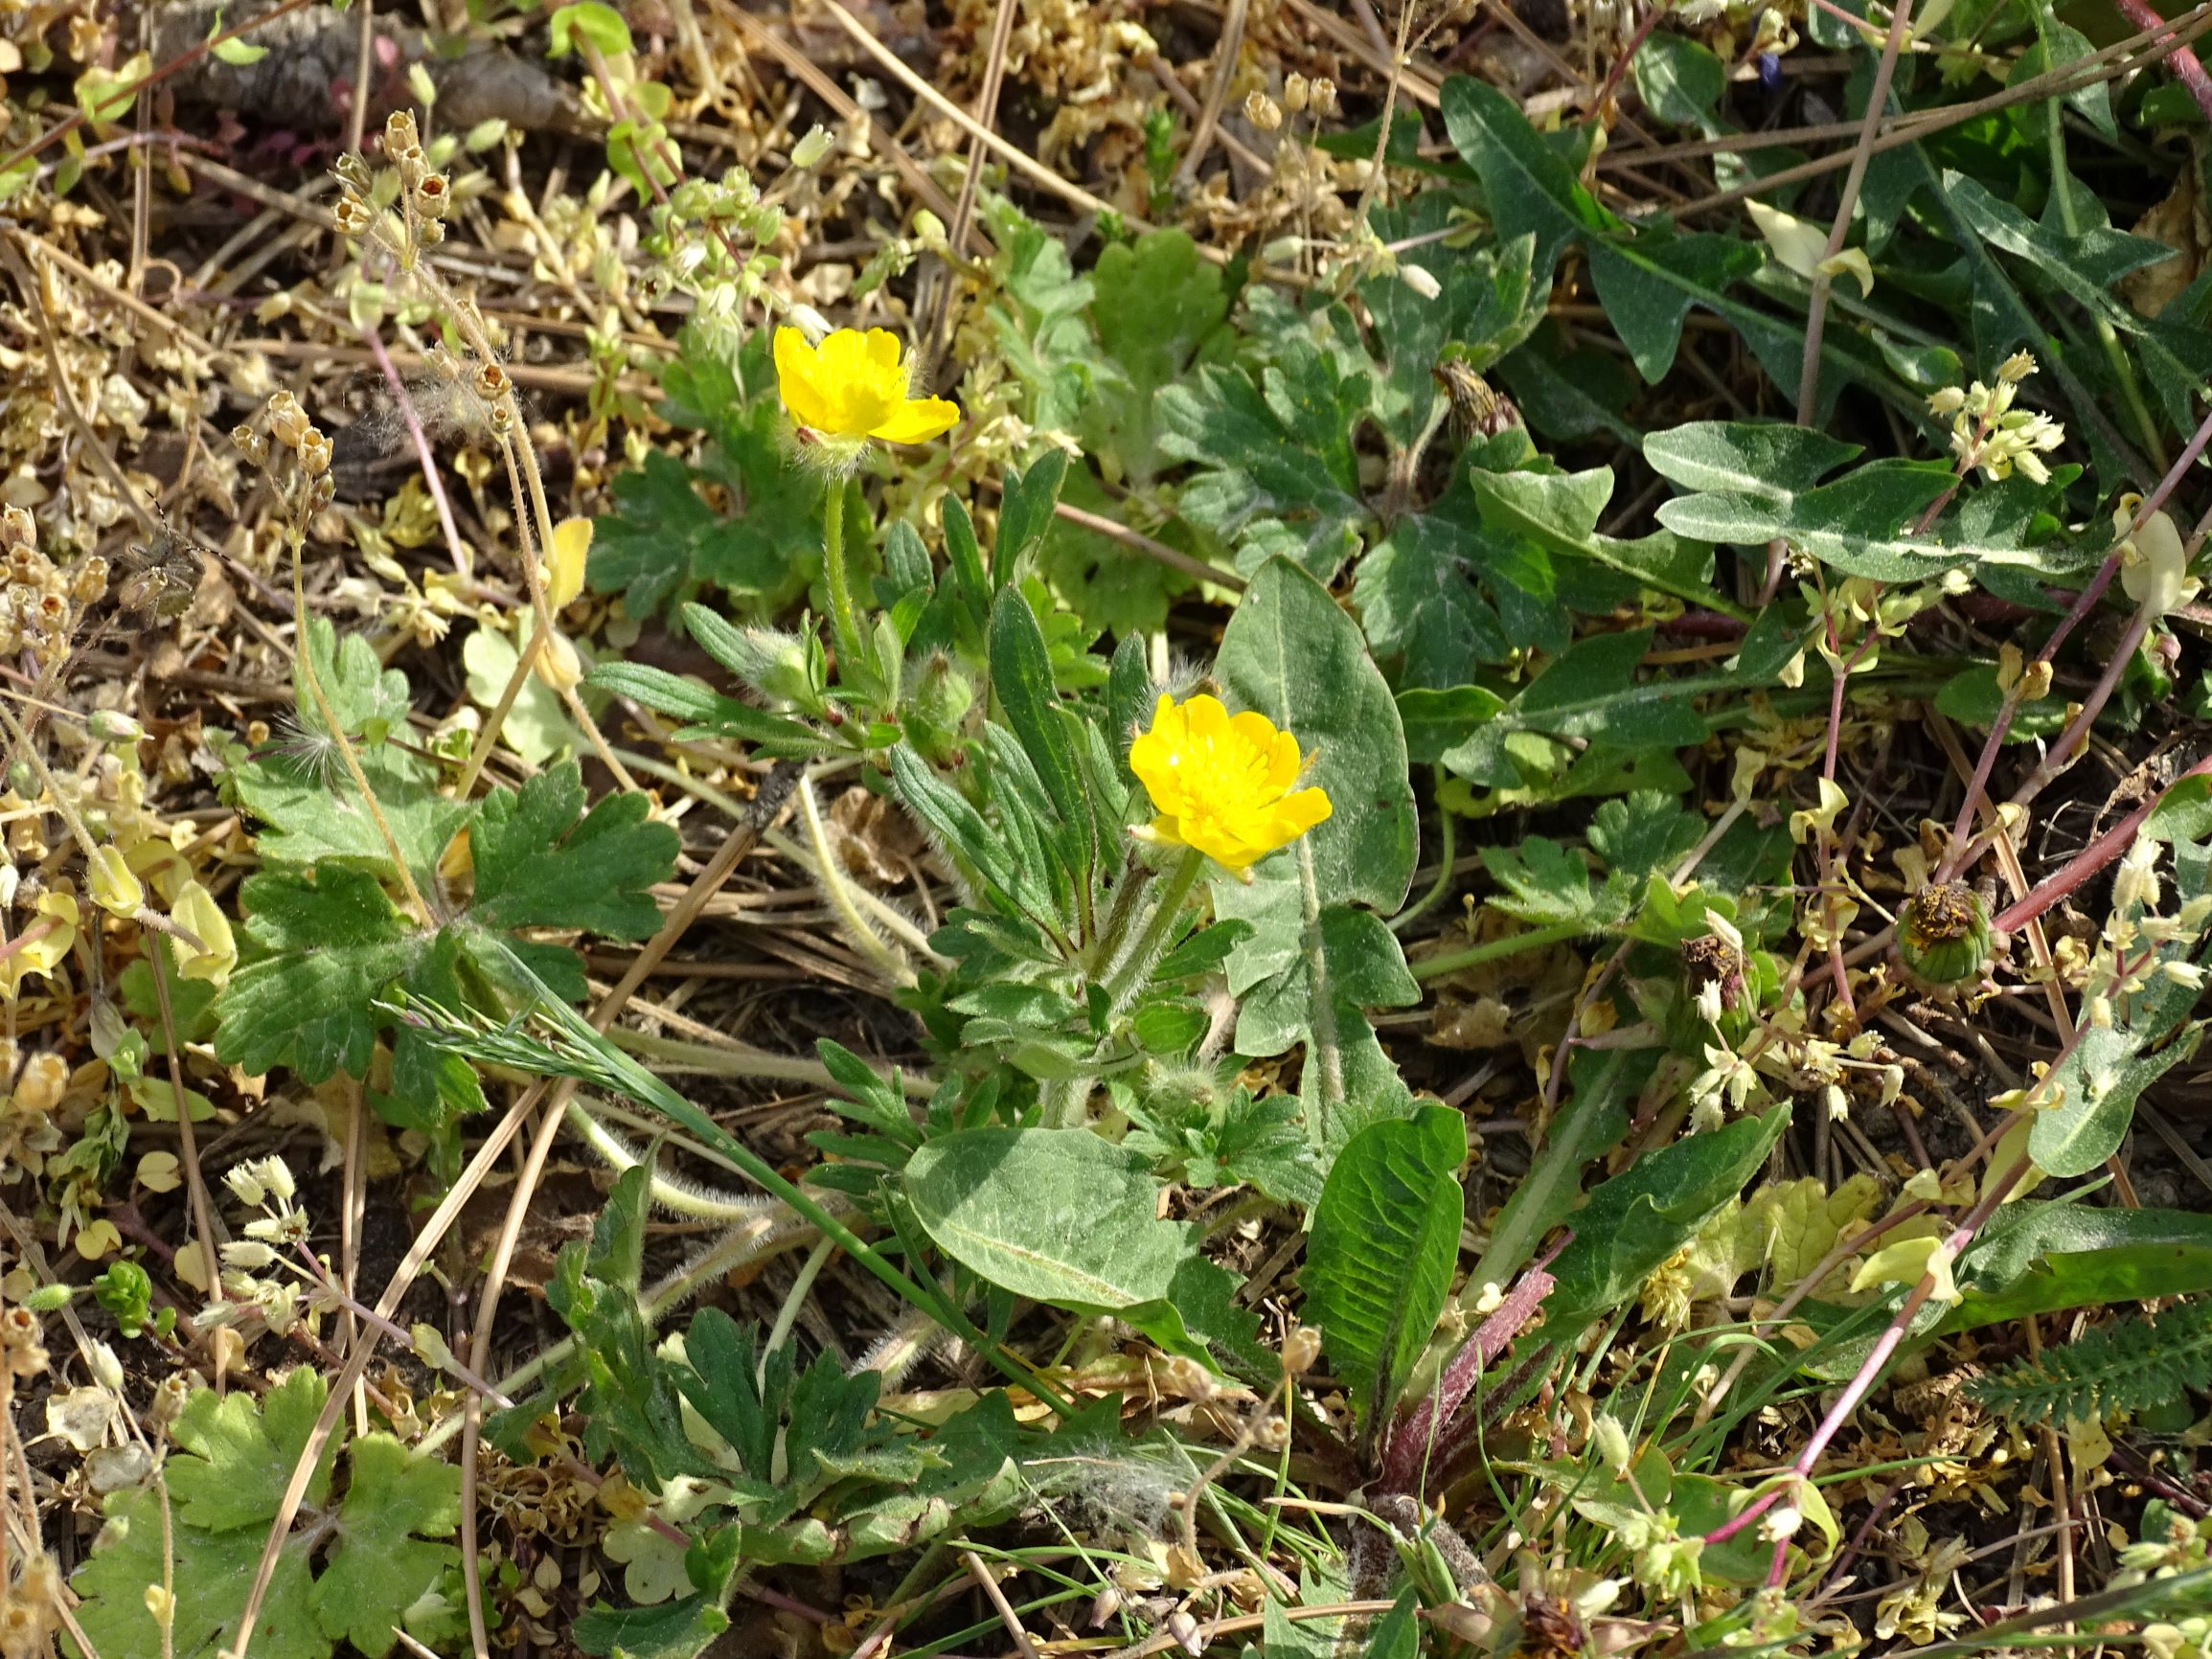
{"type": "Point", "coordinates": [384, 1566]}
{"type": "Point", "coordinates": [330, 939]}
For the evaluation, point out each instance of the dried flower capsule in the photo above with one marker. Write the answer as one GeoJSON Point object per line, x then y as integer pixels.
{"type": "Point", "coordinates": [288, 420]}
{"type": "Point", "coordinates": [1262, 112]}
{"type": "Point", "coordinates": [1297, 91]}
{"type": "Point", "coordinates": [168, 1400]}
{"type": "Point", "coordinates": [17, 527]}
{"type": "Point", "coordinates": [314, 452]}
{"type": "Point", "coordinates": [88, 580]}
{"type": "Point", "coordinates": [400, 134]}
{"type": "Point", "coordinates": [251, 443]}
{"type": "Point", "coordinates": [353, 217]}
{"type": "Point", "coordinates": [1943, 935]}
{"type": "Point", "coordinates": [1323, 96]}
{"type": "Point", "coordinates": [354, 171]}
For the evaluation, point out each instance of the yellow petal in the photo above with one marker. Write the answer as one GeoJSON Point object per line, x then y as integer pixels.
{"type": "Point", "coordinates": [798, 367]}
{"type": "Point", "coordinates": [114, 888]}
{"type": "Point", "coordinates": [918, 420]}
{"type": "Point", "coordinates": [197, 912]}
{"type": "Point", "coordinates": [883, 354]}
{"type": "Point", "coordinates": [564, 571]}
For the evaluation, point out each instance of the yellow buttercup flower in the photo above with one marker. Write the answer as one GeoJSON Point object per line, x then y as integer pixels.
{"type": "Point", "coordinates": [1222, 783]}
{"type": "Point", "coordinates": [854, 387]}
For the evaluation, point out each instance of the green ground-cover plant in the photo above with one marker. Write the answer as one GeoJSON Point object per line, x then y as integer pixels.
{"type": "Point", "coordinates": [1212, 1275]}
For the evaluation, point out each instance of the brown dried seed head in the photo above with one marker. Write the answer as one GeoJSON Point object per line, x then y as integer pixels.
{"type": "Point", "coordinates": [251, 443]}
{"type": "Point", "coordinates": [433, 196]}
{"type": "Point", "coordinates": [314, 452]}
{"type": "Point", "coordinates": [17, 527]}
{"type": "Point", "coordinates": [1323, 95]}
{"type": "Point", "coordinates": [491, 381]}
{"type": "Point", "coordinates": [1295, 91]}
{"type": "Point", "coordinates": [353, 169]}
{"type": "Point", "coordinates": [400, 134]}
{"type": "Point", "coordinates": [353, 217]}
{"type": "Point", "coordinates": [1262, 112]}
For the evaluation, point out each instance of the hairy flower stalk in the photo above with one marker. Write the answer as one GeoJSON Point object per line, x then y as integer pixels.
{"type": "Point", "coordinates": [851, 389]}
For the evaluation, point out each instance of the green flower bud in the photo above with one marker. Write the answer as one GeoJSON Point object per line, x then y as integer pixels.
{"type": "Point", "coordinates": [111, 726]}
{"type": "Point", "coordinates": [937, 709]}
{"type": "Point", "coordinates": [1943, 935]}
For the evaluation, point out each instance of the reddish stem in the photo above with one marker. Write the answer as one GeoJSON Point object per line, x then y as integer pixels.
{"type": "Point", "coordinates": [1885, 1346]}
{"type": "Point", "coordinates": [1410, 1442]}
{"type": "Point", "coordinates": [2186, 64]}
{"type": "Point", "coordinates": [2088, 860]}
{"type": "Point", "coordinates": [1962, 832]}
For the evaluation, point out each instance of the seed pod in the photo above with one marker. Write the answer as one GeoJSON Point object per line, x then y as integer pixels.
{"type": "Point", "coordinates": [1943, 935]}
{"type": "Point", "coordinates": [433, 196]}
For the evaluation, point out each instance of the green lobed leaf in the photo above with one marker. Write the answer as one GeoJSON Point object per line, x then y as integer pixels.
{"type": "Point", "coordinates": [542, 861]}
{"type": "Point", "coordinates": [243, 1450]}
{"type": "Point", "coordinates": [334, 941]}
{"type": "Point", "coordinates": [382, 1564]}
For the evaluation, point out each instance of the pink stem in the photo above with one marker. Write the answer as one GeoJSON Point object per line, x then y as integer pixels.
{"type": "Point", "coordinates": [2186, 67]}
{"type": "Point", "coordinates": [2088, 860]}
{"type": "Point", "coordinates": [1410, 1442]}
{"type": "Point", "coordinates": [30, 935]}
{"type": "Point", "coordinates": [1961, 835]}
{"type": "Point", "coordinates": [1885, 1346]}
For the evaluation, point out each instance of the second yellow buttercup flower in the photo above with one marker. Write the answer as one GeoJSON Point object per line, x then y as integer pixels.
{"type": "Point", "coordinates": [854, 387]}
{"type": "Point", "coordinates": [1224, 783]}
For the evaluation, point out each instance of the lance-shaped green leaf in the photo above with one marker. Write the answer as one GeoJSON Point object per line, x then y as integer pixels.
{"type": "Point", "coordinates": [1633, 1223]}
{"type": "Point", "coordinates": [1647, 282]}
{"type": "Point", "coordinates": [1590, 696]}
{"type": "Point", "coordinates": [1292, 654]}
{"type": "Point", "coordinates": [1378, 1262]}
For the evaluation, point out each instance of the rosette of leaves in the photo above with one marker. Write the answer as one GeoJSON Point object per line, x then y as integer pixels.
{"type": "Point", "coordinates": [323, 937]}
{"type": "Point", "coordinates": [777, 1462]}
{"type": "Point", "coordinates": [1037, 826]}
